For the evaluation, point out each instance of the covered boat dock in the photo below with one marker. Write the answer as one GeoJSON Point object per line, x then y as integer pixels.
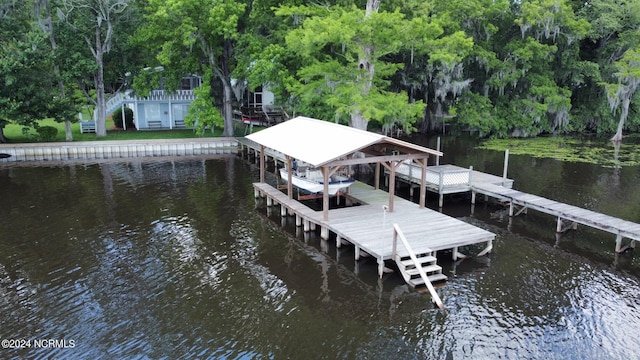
{"type": "Point", "coordinates": [382, 218]}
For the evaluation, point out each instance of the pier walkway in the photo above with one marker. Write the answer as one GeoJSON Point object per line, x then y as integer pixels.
{"type": "Point", "coordinates": [450, 179]}
{"type": "Point", "coordinates": [568, 215]}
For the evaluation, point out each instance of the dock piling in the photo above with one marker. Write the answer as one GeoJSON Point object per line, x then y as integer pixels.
{"type": "Point", "coordinates": [506, 166]}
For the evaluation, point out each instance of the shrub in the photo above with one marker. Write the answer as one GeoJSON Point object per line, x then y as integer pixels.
{"type": "Point", "coordinates": [47, 133]}
{"type": "Point", "coordinates": [128, 117]}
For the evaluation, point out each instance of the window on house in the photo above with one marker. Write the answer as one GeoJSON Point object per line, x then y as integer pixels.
{"type": "Point", "coordinates": [257, 97]}
{"type": "Point", "coordinates": [179, 111]}
{"type": "Point", "coordinates": [152, 112]}
{"type": "Point", "coordinates": [186, 84]}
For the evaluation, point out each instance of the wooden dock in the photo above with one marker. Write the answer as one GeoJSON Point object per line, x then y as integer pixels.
{"type": "Point", "coordinates": [369, 227]}
{"type": "Point", "coordinates": [568, 215]}
{"type": "Point", "coordinates": [450, 179]}
{"type": "Point", "coordinates": [441, 179]}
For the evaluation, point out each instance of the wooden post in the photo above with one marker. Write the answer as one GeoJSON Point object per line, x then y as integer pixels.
{"type": "Point", "coordinates": [423, 182]}
{"type": "Point", "coordinates": [324, 233]}
{"type": "Point", "coordinates": [325, 194]}
{"type": "Point", "coordinates": [392, 184]}
{"type": "Point", "coordinates": [438, 148]}
{"type": "Point", "coordinates": [376, 181]}
{"type": "Point", "coordinates": [289, 176]}
{"type": "Point", "coordinates": [262, 163]}
{"type": "Point", "coordinates": [441, 189]}
{"type": "Point", "coordinates": [380, 267]}
{"type": "Point", "coordinates": [506, 166]}
{"type": "Point", "coordinates": [394, 248]}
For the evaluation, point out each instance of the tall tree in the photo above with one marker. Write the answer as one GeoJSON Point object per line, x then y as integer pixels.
{"type": "Point", "coordinates": [434, 61]}
{"type": "Point", "coordinates": [94, 21]}
{"type": "Point", "coordinates": [518, 68]}
{"type": "Point", "coordinates": [43, 14]}
{"type": "Point", "coordinates": [28, 90]}
{"type": "Point", "coordinates": [193, 35]}
{"type": "Point", "coordinates": [621, 94]}
{"type": "Point", "coordinates": [345, 71]}
{"type": "Point", "coordinates": [613, 31]}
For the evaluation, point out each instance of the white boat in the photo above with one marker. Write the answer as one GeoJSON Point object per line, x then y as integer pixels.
{"type": "Point", "coordinates": [311, 180]}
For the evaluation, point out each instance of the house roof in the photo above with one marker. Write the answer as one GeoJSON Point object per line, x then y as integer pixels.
{"type": "Point", "coordinates": [319, 142]}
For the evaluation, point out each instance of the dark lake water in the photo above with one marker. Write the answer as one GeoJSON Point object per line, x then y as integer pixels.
{"type": "Point", "coordinates": [169, 258]}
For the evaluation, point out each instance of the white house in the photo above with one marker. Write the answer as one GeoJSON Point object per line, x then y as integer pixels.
{"type": "Point", "coordinates": [163, 109]}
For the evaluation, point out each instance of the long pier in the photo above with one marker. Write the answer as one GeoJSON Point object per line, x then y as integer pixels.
{"type": "Point", "coordinates": [449, 179]}
{"type": "Point", "coordinates": [569, 216]}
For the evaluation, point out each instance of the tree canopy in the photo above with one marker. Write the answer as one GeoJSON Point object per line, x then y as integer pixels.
{"type": "Point", "coordinates": [29, 90]}
{"type": "Point", "coordinates": [495, 67]}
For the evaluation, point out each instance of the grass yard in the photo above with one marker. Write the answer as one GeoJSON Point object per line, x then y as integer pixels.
{"type": "Point", "coordinates": [15, 135]}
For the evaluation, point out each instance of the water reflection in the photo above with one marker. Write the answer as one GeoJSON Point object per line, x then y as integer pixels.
{"type": "Point", "coordinates": [172, 258]}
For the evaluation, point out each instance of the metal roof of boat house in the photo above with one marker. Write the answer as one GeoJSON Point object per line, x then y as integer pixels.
{"type": "Point", "coordinates": [319, 142]}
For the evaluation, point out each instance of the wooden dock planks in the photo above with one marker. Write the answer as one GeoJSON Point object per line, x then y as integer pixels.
{"type": "Point", "coordinates": [563, 211]}
{"type": "Point", "coordinates": [370, 228]}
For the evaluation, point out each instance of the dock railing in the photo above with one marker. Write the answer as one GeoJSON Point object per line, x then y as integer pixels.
{"type": "Point", "coordinates": [441, 177]}
{"type": "Point", "coordinates": [452, 178]}
{"type": "Point", "coordinates": [397, 233]}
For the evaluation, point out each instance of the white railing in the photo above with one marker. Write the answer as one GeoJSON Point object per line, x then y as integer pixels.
{"type": "Point", "coordinates": [398, 233]}
{"type": "Point", "coordinates": [440, 177]}
{"type": "Point", "coordinates": [454, 177]}
{"type": "Point", "coordinates": [155, 95]}
{"type": "Point", "coordinates": [115, 101]}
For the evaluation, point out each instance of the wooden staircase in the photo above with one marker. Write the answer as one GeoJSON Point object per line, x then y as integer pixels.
{"type": "Point", "coordinates": [411, 274]}
{"type": "Point", "coordinates": [417, 269]}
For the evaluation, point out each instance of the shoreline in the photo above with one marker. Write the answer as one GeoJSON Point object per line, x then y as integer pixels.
{"type": "Point", "coordinates": [110, 149]}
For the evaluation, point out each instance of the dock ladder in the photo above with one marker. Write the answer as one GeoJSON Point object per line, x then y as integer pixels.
{"type": "Point", "coordinates": [417, 270]}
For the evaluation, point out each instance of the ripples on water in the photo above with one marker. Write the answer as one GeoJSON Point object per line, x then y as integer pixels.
{"type": "Point", "coordinates": [170, 259]}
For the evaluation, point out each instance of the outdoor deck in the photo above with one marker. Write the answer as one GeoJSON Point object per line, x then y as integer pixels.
{"type": "Point", "coordinates": [369, 228]}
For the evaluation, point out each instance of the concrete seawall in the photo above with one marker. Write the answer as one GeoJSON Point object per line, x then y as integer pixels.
{"type": "Point", "coordinates": [116, 149]}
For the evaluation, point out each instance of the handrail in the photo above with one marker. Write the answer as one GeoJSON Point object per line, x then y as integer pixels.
{"type": "Point", "coordinates": [440, 175]}
{"type": "Point", "coordinates": [155, 95]}
{"type": "Point", "coordinates": [397, 232]}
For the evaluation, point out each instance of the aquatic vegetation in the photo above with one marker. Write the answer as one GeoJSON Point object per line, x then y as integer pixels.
{"type": "Point", "coordinates": [594, 151]}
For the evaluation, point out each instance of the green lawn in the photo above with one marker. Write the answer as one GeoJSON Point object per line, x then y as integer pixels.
{"type": "Point", "coordinates": [15, 135]}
